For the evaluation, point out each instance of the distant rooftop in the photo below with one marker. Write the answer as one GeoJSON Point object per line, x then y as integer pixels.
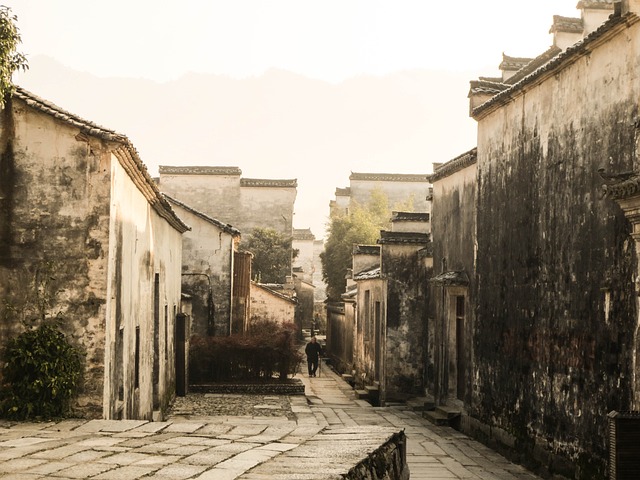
{"type": "Point", "coordinates": [366, 250]}
{"type": "Point", "coordinates": [389, 177]}
{"type": "Point", "coordinates": [566, 24]}
{"type": "Point", "coordinates": [265, 182]}
{"type": "Point", "coordinates": [371, 273]}
{"type": "Point", "coordinates": [387, 237]}
{"type": "Point", "coordinates": [513, 63]}
{"type": "Point", "coordinates": [409, 217]}
{"type": "Point", "coordinates": [343, 192]}
{"type": "Point", "coordinates": [454, 165]}
{"type": "Point", "coordinates": [303, 234]}
{"type": "Point", "coordinates": [596, 4]}
{"type": "Point", "coordinates": [199, 170]}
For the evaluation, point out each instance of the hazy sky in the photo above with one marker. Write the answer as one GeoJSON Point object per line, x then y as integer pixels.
{"type": "Point", "coordinates": [324, 39]}
{"type": "Point", "coordinates": [330, 40]}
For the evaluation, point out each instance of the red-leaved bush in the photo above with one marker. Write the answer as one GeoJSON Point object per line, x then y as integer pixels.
{"type": "Point", "coordinates": [269, 349]}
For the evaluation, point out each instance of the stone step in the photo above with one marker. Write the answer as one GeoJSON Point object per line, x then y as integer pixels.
{"type": "Point", "coordinates": [372, 389]}
{"type": "Point", "coordinates": [362, 394]}
{"type": "Point", "coordinates": [348, 378]}
{"type": "Point", "coordinates": [419, 404]}
{"type": "Point", "coordinates": [450, 412]}
{"type": "Point", "coordinates": [436, 417]}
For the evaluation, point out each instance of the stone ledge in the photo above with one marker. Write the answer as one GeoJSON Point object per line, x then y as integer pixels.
{"type": "Point", "coordinates": [292, 386]}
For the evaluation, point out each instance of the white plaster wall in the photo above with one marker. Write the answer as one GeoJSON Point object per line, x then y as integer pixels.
{"type": "Point", "coordinates": [398, 192]}
{"type": "Point", "coordinates": [141, 245]}
{"type": "Point", "coordinates": [267, 306]}
{"type": "Point", "coordinates": [217, 196]}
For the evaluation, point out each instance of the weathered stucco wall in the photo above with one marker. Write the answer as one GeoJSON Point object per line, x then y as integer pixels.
{"type": "Point", "coordinates": [340, 335]}
{"type": "Point", "coordinates": [405, 343]}
{"type": "Point", "coordinates": [266, 207]}
{"type": "Point", "coordinates": [54, 205]}
{"type": "Point", "coordinates": [369, 338]}
{"type": "Point", "coordinates": [220, 193]}
{"type": "Point", "coordinates": [145, 263]}
{"type": "Point", "coordinates": [267, 305]}
{"type": "Point", "coordinates": [214, 194]}
{"type": "Point", "coordinates": [556, 310]}
{"type": "Point", "coordinates": [454, 227]}
{"type": "Point", "coordinates": [207, 263]}
{"type": "Point", "coordinates": [398, 192]}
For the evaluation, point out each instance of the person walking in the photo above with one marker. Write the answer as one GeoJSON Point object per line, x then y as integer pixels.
{"type": "Point", "coordinates": [313, 350]}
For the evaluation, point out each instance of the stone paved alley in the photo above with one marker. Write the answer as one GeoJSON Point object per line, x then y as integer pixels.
{"type": "Point", "coordinates": [265, 437]}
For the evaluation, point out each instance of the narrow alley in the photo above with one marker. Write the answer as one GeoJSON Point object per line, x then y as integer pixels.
{"type": "Point", "coordinates": [284, 437]}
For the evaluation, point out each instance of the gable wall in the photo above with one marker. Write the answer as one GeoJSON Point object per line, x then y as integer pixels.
{"type": "Point", "coordinates": [54, 217]}
{"type": "Point", "coordinates": [207, 257]}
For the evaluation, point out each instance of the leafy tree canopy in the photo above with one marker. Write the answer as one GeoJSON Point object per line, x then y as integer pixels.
{"type": "Point", "coordinates": [10, 59]}
{"type": "Point", "coordinates": [272, 255]}
{"type": "Point", "coordinates": [360, 226]}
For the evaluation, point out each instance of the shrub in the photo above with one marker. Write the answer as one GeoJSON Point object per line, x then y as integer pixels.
{"type": "Point", "coordinates": [269, 349]}
{"type": "Point", "coordinates": [41, 375]}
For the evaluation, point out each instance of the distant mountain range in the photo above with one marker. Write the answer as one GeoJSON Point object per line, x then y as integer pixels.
{"type": "Point", "coordinates": [277, 125]}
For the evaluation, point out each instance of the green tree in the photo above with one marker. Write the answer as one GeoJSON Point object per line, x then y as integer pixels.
{"type": "Point", "coordinates": [10, 59]}
{"type": "Point", "coordinates": [272, 255]}
{"type": "Point", "coordinates": [360, 226]}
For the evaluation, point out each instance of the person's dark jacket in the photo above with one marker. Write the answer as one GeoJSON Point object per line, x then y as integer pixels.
{"type": "Point", "coordinates": [313, 350]}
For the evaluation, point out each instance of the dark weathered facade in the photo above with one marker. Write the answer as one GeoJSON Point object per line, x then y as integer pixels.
{"type": "Point", "coordinates": [554, 339]}
{"type": "Point", "coordinates": [453, 284]}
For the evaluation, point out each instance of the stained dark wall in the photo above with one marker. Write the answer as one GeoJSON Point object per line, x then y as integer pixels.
{"type": "Point", "coordinates": [550, 359]}
{"type": "Point", "coordinates": [453, 226]}
{"type": "Point", "coordinates": [406, 321]}
{"type": "Point", "coordinates": [340, 328]}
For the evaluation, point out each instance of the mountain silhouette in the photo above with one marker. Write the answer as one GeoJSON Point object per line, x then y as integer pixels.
{"type": "Point", "coordinates": [276, 125]}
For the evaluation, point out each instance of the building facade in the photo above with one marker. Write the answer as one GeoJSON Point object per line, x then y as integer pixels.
{"type": "Point", "coordinates": [86, 237]}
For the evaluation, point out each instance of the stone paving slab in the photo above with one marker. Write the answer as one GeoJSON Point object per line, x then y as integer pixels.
{"type": "Point", "coordinates": [317, 437]}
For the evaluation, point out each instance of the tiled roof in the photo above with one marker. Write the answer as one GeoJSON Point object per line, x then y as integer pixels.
{"type": "Point", "coordinates": [459, 278]}
{"type": "Point", "coordinates": [343, 192]}
{"type": "Point", "coordinates": [513, 63]}
{"type": "Point", "coordinates": [611, 27]}
{"type": "Point", "coordinates": [125, 152]}
{"type": "Point", "coordinates": [416, 238]}
{"type": "Point", "coordinates": [271, 288]}
{"type": "Point", "coordinates": [373, 272]}
{"type": "Point", "coordinates": [264, 182]}
{"type": "Point", "coordinates": [490, 79]}
{"type": "Point", "coordinates": [596, 4]}
{"type": "Point", "coordinates": [196, 170]}
{"type": "Point", "coordinates": [303, 234]}
{"type": "Point", "coordinates": [566, 24]}
{"type": "Point", "coordinates": [532, 66]}
{"type": "Point", "coordinates": [455, 165]}
{"type": "Point", "coordinates": [389, 177]}
{"type": "Point", "coordinates": [485, 86]}
{"type": "Point", "coordinates": [221, 225]}
{"type": "Point", "coordinates": [409, 217]}
{"type": "Point", "coordinates": [366, 250]}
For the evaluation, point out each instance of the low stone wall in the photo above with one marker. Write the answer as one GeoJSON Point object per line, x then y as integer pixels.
{"type": "Point", "coordinates": [292, 386]}
{"type": "Point", "coordinates": [388, 462]}
{"type": "Point", "coordinates": [352, 453]}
